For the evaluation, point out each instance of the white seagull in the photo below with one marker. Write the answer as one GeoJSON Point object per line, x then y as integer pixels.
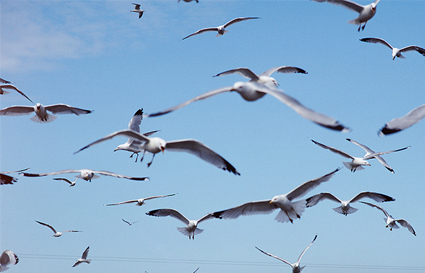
{"type": "Point", "coordinates": [265, 76]}
{"type": "Point", "coordinates": [399, 124]}
{"type": "Point", "coordinates": [86, 174]}
{"type": "Point", "coordinates": [83, 258]}
{"type": "Point", "coordinates": [365, 12]}
{"type": "Point", "coordinates": [141, 201]}
{"type": "Point", "coordinates": [345, 207]}
{"type": "Point", "coordinates": [41, 115]}
{"type": "Point", "coordinates": [7, 179]}
{"type": "Point", "coordinates": [129, 223]}
{"type": "Point", "coordinates": [221, 29]}
{"type": "Point", "coordinates": [11, 86]}
{"type": "Point", "coordinates": [295, 266]}
{"type": "Point", "coordinates": [155, 145]}
{"type": "Point", "coordinates": [138, 10]}
{"type": "Point", "coordinates": [192, 225]}
{"type": "Point", "coordinates": [391, 222]}
{"type": "Point", "coordinates": [252, 91]}
{"type": "Point", "coordinates": [289, 209]}
{"type": "Point", "coordinates": [56, 233]}
{"type": "Point", "coordinates": [71, 183]}
{"type": "Point", "coordinates": [358, 162]}
{"type": "Point", "coordinates": [396, 51]}
{"type": "Point", "coordinates": [7, 258]}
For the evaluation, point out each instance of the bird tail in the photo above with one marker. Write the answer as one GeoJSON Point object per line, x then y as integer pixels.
{"type": "Point", "coordinates": [354, 22]}
{"type": "Point", "coordinates": [49, 118]}
{"type": "Point", "coordinates": [4, 92]}
{"type": "Point", "coordinates": [219, 34]}
{"type": "Point", "coordinates": [184, 231]}
{"type": "Point", "coordinates": [297, 209]}
{"type": "Point", "coordinates": [89, 261]}
{"type": "Point", "coordinates": [349, 166]}
{"type": "Point", "coordinates": [349, 211]}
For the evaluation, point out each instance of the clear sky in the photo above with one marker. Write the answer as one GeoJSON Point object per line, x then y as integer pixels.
{"type": "Point", "coordinates": [98, 55]}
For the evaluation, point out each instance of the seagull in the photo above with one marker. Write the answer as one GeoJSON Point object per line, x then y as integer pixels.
{"type": "Point", "coordinates": [83, 258]}
{"type": "Point", "coordinates": [396, 51]}
{"type": "Point", "coordinates": [7, 258]}
{"type": "Point", "coordinates": [11, 86]}
{"type": "Point", "coordinates": [358, 162]}
{"type": "Point", "coordinates": [188, 1]}
{"type": "Point", "coordinates": [141, 201]}
{"type": "Point", "coordinates": [86, 174]}
{"type": "Point", "coordinates": [295, 266]}
{"type": "Point", "coordinates": [345, 207]}
{"type": "Point", "coordinates": [155, 145]}
{"type": "Point", "coordinates": [365, 12]}
{"type": "Point", "coordinates": [399, 124]}
{"type": "Point", "coordinates": [71, 184]}
{"type": "Point", "coordinates": [192, 225]}
{"type": "Point", "coordinates": [289, 209]}
{"type": "Point", "coordinates": [251, 91]}
{"type": "Point", "coordinates": [127, 222]}
{"type": "Point", "coordinates": [7, 179]}
{"type": "Point", "coordinates": [41, 115]}
{"type": "Point", "coordinates": [56, 233]}
{"type": "Point", "coordinates": [391, 222]}
{"type": "Point", "coordinates": [4, 81]}
{"type": "Point", "coordinates": [265, 76]}
{"type": "Point", "coordinates": [221, 29]}
{"type": "Point", "coordinates": [138, 10]}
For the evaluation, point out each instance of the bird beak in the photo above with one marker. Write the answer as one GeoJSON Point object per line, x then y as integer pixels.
{"type": "Point", "coordinates": [271, 202]}
{"type": "Point", "coordinates": [162, 149]}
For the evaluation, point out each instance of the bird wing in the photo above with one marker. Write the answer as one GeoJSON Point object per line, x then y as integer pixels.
{"type": "Point", "coordinates": [376, 41]}
{"type": "Point", "coordinates": [201, 31]}
{"type": "Point", "coordinates": [240, 19]}
{"type": "Point", "coordinates": [47, 225]}
{"type": "Point", "coordinates": [200, 97]}
{"type": "Point", "coordinates": [276, 257]}
{"type": "Point", "coordinates": [4, 81]}
{"type": "Point", "coordinates": [16, 110]}
{"type": "Point", "coordinates": [63, 179]}
{"type": "Point", "coordinates": [206, 217]}
{"type": "Point", "coordinates": [52, 173]}
{"type": "Point", "coordinates": [413, 47]}
{"type": "Point", "coordinates": [243, 71]}
{"type": "Point", "coordinates": [76, 263]}
{"type": "Point", "coordinates": [124, 202]}
{"type": "Point", "coordinates": [10, 86]}
{"type": "Point", "coordinates": [299, 259]}
{"type": "Point", "coordinates": [169, 212]}
{"type": "Point", "coordinates": [85, 253]}
{"type": "Point", "coordinates": [309, 185]}
{"type": "Point", "coordinates": [398, 124]}
{"type": "Point", "coordinates": [121, 176]}
{"type": "Point", "coordinates": [136, 120]}
{"type": "Point", "coordinates": [344, 154]}
{"type": "Point", "coordinates": [344, 3]}
{"type": "Point", "coordinates": [126, 222]}
{"type": "Point", "coordinates": [313, 200]}
{"type": "Point", "coordinates": [6, 179]}
{"type": "Point", "coordinates": [250, 208]}
{"type": "Point", "coordinates": [406, 224]}
{"type": "Point", "coordinates": [8, 257]}
{"type": "Point", "coordinates": [66, 109]}
{"type": "Point", "coordinates": [364, 147]}
{"type": "Point", "coordinates": [376, 206]}
{"type": "Point", "coordinates": [16, 171]}
{"type": "Point", "coordinates": [378, 197]}
{"type": "Point", "coordinates": [136, 6]}
{"type": "Point", "coordinates": [159, 196]}
{"type": "Point", "coordinates": [283, 69]}
{"type": "Point", "coordinates": [200, 150]}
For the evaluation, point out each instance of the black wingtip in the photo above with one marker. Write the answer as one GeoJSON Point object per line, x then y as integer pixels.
{"type": "Point", "coordinates": [152, 212]}
{"type": "Point", "coordinates": [387, 131]}
{"type": "Point", "coordinates": [139, 112]}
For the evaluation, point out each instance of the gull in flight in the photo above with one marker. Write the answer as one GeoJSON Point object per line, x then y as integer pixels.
{"type": "Point", "coordinates": [295, 266]}
{"type": "Point", "coordinates": [399, 124]}
{"type": "Point", "coordinates": [345, 207]}
{"type": "Point", "coordinates": [289, 209]}
{"type": "Point", "coordinates": [11, 86]}
{"type": "Point", "coordinates": [7, 258]}
{"type": "Point", "coordinates": [56, 233]}
{"type": "Point", "coordinates": [192, 225]}
{"type": "Point", "coordinates": [252, 91]}
{"type": "Point", "coordinates": [71, 183]}
{"type": "Point", "coordinates": [188, 1]}
{"type": "Point", "coordinates": [365, 12]}
{"type": "Point", "coordinates": [141, 201]}
{"type": "Point", "coordinates": [41, 115]}
{"type": "Point", "coordinates": [391, 222]}
{"type": "Point", "coordinates": [396, 51]}
{"type": "Point", "coordinates": [86, 174]}
{"type": "Point", "coordinates": [138, 10]}
{"type": "Point", "coordinates": [221, 29]}
{"type": "Point", "coordinates": [358, 162]}
{"type": "Point", "coordinates": [129, 223]}
{"type": "Point", "coordinates": [155, 145]}
{"type": "Point", "coordinates": [7, 179]}
{"type": "Point", "coordinates": [265, 76]}
{"type": "Point", "coordinates": [83, 258]}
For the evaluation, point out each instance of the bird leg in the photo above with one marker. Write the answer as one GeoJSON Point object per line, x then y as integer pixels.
{"type": "Point", "coordinates": [143, 156]}
{"type": "Point", "coordinates": [150, 163]}
{"type": "Point", "coordinates": [364, 26]}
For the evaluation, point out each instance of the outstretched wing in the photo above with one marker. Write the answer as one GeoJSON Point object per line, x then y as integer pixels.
{"type": "Point", "coordinates": [344, 154]}
{"type": "Point", "coordinates": [52, 173]}
{"type": "Point", "coordinates": [16, 110]}
{"type": "Point", "coordinates": [377, 41]}
{"type": "Point", "coordinates": [66, 109]}
{"type": "Point", "coordinates": [47, 225]}
{"type": "Point", "coordinates": [10, 86]}
{"type": "Point", "coordinates": [313, 200]}
{"type": "Point", "coordinates": [250, 208]}
{"type": "Point", "coordinates": [406, 224]}
{"type": "Point", "coordinates": [413, 48]}
{"type": "Point", "coordinates": [240, 19]}
{"type": "Point", "coordinates": [276, 257]}
{"type": "Point", "coordinates": [121, 176]}
{"type": "Point", "coordinates": [243, 71]}
{"type": "Point", "coordinates": [201, 31]}
{"type": "Point", "coordinates": [299, 259]}
{"type": "Point", "coordinates": [378, 197]}
{"type": "Point", "coordinates": [169, 212]}
{"type": "Point", "coordinates": [85, 253]}
{"type": "Point", "coordinates": [376, 206]}
{"type": "Point", "coordinates": [283, 69]}
{"type": "Point", "coordinates": [399, 124]}
{"type": "Point", "coordinates": [344, 3]}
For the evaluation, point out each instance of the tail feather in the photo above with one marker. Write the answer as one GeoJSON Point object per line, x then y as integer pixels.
{"type": "Point", "coordinates": [354, 22]}
{"type": "Point", "coordinates": [350, 210]}
{"type": "Point", "coordinates": [49, 118]}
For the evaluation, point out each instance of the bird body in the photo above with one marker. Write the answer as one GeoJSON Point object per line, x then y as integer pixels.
{"type": "Point", "coordinates": [396, 52]}
{"type": "Point", "coordinates": [83, 258]}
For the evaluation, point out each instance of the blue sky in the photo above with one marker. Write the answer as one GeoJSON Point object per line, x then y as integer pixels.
{"type": "Point", "coordinates": [97, 55]}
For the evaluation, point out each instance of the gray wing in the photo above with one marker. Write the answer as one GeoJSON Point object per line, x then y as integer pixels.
{"type": "Point", "coordinates": [63, 179]}
{"type": "Point", "coordinates": [243, 71]}
{"type": "Point", "coordinates": [399, 124]}
{"type": "Point", "coordinates": [136, 120]}
{"type": "Point", "coordinates": [85, 253]}
{"type": "Point", "coordinates": [201, 31]}
{"type": "Point", "coordinates": [121, 176]}
{"type": "Point", "coordinates": [313, 200]}
{"type": "Point", "coordinates": [344, 3]}
{"type": "Point", "coordinates": [203, 152]}
{"type": "Point", "coordinates": [18, 171]}
{"type": "Point", "coordinates": [49, 226]}
{"type": "Point", "coordinates": [276, 257]}
{"type": "Point", "coordinates": [206, 217]}
{"type": "Point", "coordinates": [169, 212]}
{"type": "Point", "coordinates": [250, 208]}
{"type": "Point", "coordinates": [344, 154]}
{"type": "Point", "coordinates": [406, 224]}
{"type": "Point", "coordinates": [52, 173]}
{"type": "Point", "coordinates": [378, 197]}
{"type": "Point", "coordinates": [301, 190]}
{"type": "Point", "coordinates": [16, 110]}
{"type": "Point", "coordinates": [10, 86]}
{"type": "Point", "coordinates": [378, 207]}
{"type": "Point", "coordinates": [415, 48]}
{"type": "Point", "coordinates": [200, 97]}
{"type": "Point", "coordinates": [158, 196]}
{"type": "Point", "coordinates": [66, 109]}
{"type": "Point", "coordinates": [377, 41]}
{"type": "Point", "coordinates": [302, 253]}
{"type": "Point", "coordinates": [136, 6]}
{"type": "Point", "coordinates": [364, 147]}
{"type": "Point", "coordinates": [240, 19]}
{"type": "Point", "coordinates": [124, 202]}
{"type": "Point", "coordinates": [283, 69]}
{"type": "Point", "coordinates": [4, 81]}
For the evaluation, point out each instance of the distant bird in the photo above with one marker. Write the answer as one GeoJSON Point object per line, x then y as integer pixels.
{"type": "Point", "coordinates": [155, 145]}
{"type": "Point", "coordinates": [7, 258]}
{"type": "Point", "coordinates": [129, 223]}
{"type": "Point", "coordinates": [391, 222]}
{"type": "Point", "coordinates": [399, 124]}
{"type": "Point", "coordinates": [252, 91]}
{"type": "Point", "coordinates": [396, 51]}
{"type": "Point", "coordinates": [221, 29]}
{"type": "Point", "coordinates": [4, 81]}
{"type": "Point", "coordinates": [7, 179]}
{"type": "Point", "coordinates": [41, 115]}
{"type": "Point", "coordinates": [10, 86]}
{"type": "Point", "coordinates": [83, 258]}
{"type": "Point", "coordinates": [289, 209]}
{"type": "Point", "coordinates": [138, 10]}
{"type": "Point", "coordinates": [192, 225]}
{"type": "Point", "coordinates": [86, 174]}
{"type": "Point", "coordinates": [265, 76]}
{"type": "Point", "coordinates": [365, 12]}
{"type": "Point", "coordinates": [141, 201]}
{"type": "Point", "coordinates": [188, 1]}
{"type": "Point", "coordinates": [358, 162]}
{"type": "Point", "coordinates": [56, 233]}
{"type": "Point", "coordinates": [345, 207]}
{"type": "Point", "coordinates": [196, 270]}
{"type": "Point", "coordinates": [71, 184]}
{"type": "Point", "coordinates": [295, 266]}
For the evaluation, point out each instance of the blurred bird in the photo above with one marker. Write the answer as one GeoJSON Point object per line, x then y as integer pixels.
{"type": "Point", "coordinates": [71, 184]}
{"type": "Point", "coordinates": [7, 258]}
{"type": "Point", "coordinates": [128, 223]}
{"type": "Point", "coordinates": [83, 258]}
{"type": "Point", "coordinates": [7, 179]}
{"type": "Point", "coordinates": [399, 124]}
{"type": "Point", "coordinates": [138, 10]}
